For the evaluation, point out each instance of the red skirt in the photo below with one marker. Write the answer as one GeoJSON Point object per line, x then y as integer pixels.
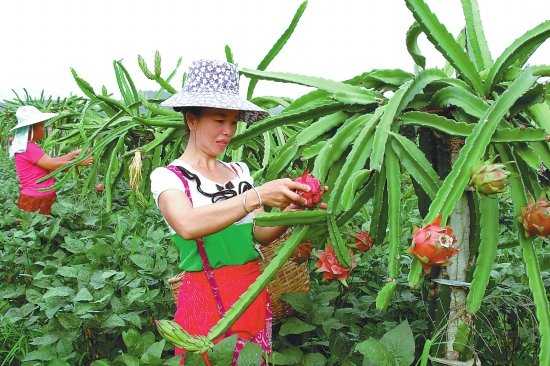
{"type": "Point", "coordinates": [40, 204]}
{"type": "Point", "coordinates": [197, 312]}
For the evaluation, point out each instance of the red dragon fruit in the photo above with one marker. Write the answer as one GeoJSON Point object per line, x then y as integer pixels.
{"type": "Point", "coordinates": [302, 253]}
{"type": "Point", "coordinates": [535, 218]}
{"type": "Point", "coordinates": [363, 241]}
{"type": "Point", "coordinates": [433, 245]}
{"type": "Point", "coordinates": [331, 268]}
{"type": "Point", "coordinates": [313, 197]}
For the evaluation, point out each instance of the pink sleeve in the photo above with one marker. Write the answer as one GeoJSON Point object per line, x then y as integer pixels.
{"type": "Point", "coordinates": [34, 152]}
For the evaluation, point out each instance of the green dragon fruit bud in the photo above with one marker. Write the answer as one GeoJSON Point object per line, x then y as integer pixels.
{"type": "Point", "coordinates": [173, 333]}
{"type": "Point", "coordinates": [489, 178]}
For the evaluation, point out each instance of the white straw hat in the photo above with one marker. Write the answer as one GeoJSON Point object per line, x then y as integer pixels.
{"type": "Point", "coordinates": [215, 84]}
{"type": "Point", "coordinates": [29, 115]}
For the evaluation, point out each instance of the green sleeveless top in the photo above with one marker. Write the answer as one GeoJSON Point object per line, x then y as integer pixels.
{"type": "Point", "coordinates": [233, 245]}
{"type": "Point", "coordinates": [230, 246]}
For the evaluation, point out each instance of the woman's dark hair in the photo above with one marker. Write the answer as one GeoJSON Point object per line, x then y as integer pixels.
{"type": "Point", "coordinates": [197, 111]}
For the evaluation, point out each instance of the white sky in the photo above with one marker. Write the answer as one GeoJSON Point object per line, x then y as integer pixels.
{"type": "Point", "coordinates": [335, 39]}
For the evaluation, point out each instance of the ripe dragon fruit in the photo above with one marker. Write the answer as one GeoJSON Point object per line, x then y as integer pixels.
{"type": "Point", "coordinates": [489, 178]}
{"type": "Point", "coordinates": [313, 197]}
{"type": "Point", "coordinates": [363, 241]}
{"type": "Point", "coordinates": [302, 253]}
{"type": "Point", "coordinates": [433, 245]}
{"type": "Point", "coordinates": [331, 268]}
{"type": "Point", "coordinates": [535, 218]}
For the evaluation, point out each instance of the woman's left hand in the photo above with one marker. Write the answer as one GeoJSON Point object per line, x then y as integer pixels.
{"type": "Point", "coordinates": [294, 207]}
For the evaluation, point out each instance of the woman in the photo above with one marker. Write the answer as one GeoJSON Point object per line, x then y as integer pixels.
{"type": "Point", "coordinates": [209, 206]}
{"type": "Point", "coordinates": [32, 163]}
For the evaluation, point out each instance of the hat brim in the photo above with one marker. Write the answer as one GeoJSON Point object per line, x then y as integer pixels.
{"type": "Point", "coordinates": [250, 112]}
{"type": "Point", "coordinates": [42, 117]}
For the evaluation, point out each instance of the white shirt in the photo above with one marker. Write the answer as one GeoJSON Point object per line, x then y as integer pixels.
{"type": "Point", "coordinates": [162, 179]}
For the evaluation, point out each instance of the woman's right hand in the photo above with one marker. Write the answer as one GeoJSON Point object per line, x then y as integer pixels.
{"type": "Point", "coordinates": [281, 193]}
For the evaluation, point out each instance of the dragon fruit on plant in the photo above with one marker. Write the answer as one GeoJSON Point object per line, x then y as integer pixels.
{"type": "Point", "coordinates": [535, 218]}
{"type": "Point", "coordinates": [313, 196]}
{"type": "Point", "coordinates": [363, 241]}
{"type": "Point", "coordinates": [489, 178]}
{"type": "Point", "coordinates": [433, 244]}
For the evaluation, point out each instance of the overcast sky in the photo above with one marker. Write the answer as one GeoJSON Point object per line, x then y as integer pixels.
{"type": "Point", "coordinates": [335, 39]}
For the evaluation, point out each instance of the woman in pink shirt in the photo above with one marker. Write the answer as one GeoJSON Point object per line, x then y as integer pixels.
{"type": "Point", "coordinates": [32, 163]}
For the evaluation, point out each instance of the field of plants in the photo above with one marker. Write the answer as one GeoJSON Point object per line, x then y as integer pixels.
{"type": "Point", "coordinates": [433, 249]}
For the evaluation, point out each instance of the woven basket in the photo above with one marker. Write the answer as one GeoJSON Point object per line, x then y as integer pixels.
{"type": "Point", "coordinates": [292, 277]}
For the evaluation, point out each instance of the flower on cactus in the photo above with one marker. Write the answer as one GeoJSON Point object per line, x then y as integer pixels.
{"type": "Point", "coordinates": [489, 178]}
{"type": "Point", "coordinates": [313, 196]}
{"type": "Point", "coordinates": [363, 241]}
{"type": "Point", "coordinates": [535, 218]}
{"type": "Point", "coordinates": [331, 268]}
{"type": "Point", "coordinates": [433, 244]}
{"type": "Point", "coordinates": [302, 253]}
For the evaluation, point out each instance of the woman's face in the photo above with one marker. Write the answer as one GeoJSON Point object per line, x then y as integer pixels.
{"type": "Point", "coordinates": [213, 129]}
{"type": "Point", "coordinates": [38, 131]}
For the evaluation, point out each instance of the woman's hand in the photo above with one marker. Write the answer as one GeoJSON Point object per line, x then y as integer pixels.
{"type": "Point", "coordinates": [75, 153]}
{"type": "Point", "coordinates": [281, 193]}
{"type": "Point", "coordinates": [294, 207]}
{"type": "Point", "coordinates": [87, 161]}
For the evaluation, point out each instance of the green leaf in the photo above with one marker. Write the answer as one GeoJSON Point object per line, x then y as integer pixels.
{"type": "Point", "coordinates": [114, 321]}
{"type": "Point", "coordinates": [341, 91]}
{"type": "Point", "coordinates": [42, 354]}
{"type": "Point", "coordinates": [517, 53]}
{"type": "Point", "coordinates": [299, 301]}
{"type": "Point", "coordinates": [295, 326]}
{"type": "Point", "coordinates": [412, 45]}
{"type": "Point", "coordinates": [250, 355]}
{"type": "Point", "coordinates": [288, 356]}
{"type": "Point", "coordinates": [61, 291]}
{"type": "Point", "coordinates": [487, 251]}
{"type": "Point", "coordinates": [478, 49]}
{"type": "Point", "coordinates": [357, 158]}
{"type": "Point", "coordinates": [83, 295]}
{"type": "Point", "coordinates": [452, 127]}
{"type": "Point", "coordinates": [229, 54]}
{"type": "Point", "coordinates": [462, 98]}
{"type": "Point", "coordinates": [383, 129]}
{"type": "Point", "coordinates": [287, 117]}
{"type": "Point", "coordinates": [376, 354]}
{"type": "Point", "coordinates": [131, 339]}
{"type": "Point", "coordinates": [70, 272]}
{"type": "Point", "coordinates": [314, 359]}
{"type": "Point", "coordinates": [154, 352]}
{"type": "Point", "coordinates": [45, 340]}
{"type": "Point", "coordinates": [222, 354]}
{"type": "Point", "coordinates": [416, 164]}
{"type": "Point", "coordinates": [400, 342]}
{"type": "Point", "coordinates": [393, 177]}
{"type": "Point", "coordinates": [445, 43]}
{"type": "Point", "coordinates": [134, 294]}
{"type": "Point", "coordinates": [277, 47]}
{"type": "Point", "coordinates": [143, 261]}
{"type": "Point", "coordinates": [132, 318]}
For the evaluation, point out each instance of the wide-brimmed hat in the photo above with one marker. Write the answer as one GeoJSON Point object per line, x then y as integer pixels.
{"type": "Point", "coordinates": [29, 115]}
{"type": "Point", "coordinates": [214, 84]}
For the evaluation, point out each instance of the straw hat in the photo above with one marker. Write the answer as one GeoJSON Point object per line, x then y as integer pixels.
{"type": "Point", "coordinates": [28, 115]}
{"type": "Point", "coordinates": [215, 84]}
